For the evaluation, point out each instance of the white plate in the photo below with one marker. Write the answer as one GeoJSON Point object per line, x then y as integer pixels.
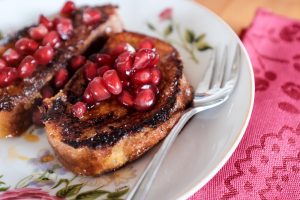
{"type": "Point", "coordinates": [204, 145]}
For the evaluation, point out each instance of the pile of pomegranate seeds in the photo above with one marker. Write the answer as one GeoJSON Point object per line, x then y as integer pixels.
{"type": "Point", "coordinates": [129, 75]}
{"type": "Point", "coordinates": [38, 48]}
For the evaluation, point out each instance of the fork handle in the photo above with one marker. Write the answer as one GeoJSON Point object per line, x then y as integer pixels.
{"type": "Point", "coordinates": [144, 183]}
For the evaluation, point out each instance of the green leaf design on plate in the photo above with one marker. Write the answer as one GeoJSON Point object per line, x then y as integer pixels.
{"type": "Point", "coordinates": [202, 46]}
{"type": "Point", "coordinates": [91, 195]}
{"type": "Point", "coordinates": [189, 36]}
{"type": "Point", "coordinates": [168, 30]}
{"type": "Point", "coordinates": [66, 181]}
{"type": "Point", "coordinates": [118, 193]}
{"type": "Point", "coordinates": [200, 37]}
{"type": "Point", "coordinates": [25, 181]}
{"type": "Point", "coordinates": [69, 191]}
{"type": "Point", "coordinates": [2, 189]}
{"type": "Point", "coordinates": [151, 26]}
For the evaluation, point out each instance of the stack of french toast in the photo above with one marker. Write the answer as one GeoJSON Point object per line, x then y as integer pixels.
{"type": "Point", "coordinates": [104, 95]}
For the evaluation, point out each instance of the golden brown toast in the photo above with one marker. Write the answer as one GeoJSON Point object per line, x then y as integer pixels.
{"type": "Point", "coordinates": [17, 100]}
{"type": "Point", "coordinates": [110, 135]}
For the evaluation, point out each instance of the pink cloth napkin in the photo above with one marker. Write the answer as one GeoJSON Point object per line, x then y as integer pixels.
{"type": "Point", "coordinates": [266, 164]}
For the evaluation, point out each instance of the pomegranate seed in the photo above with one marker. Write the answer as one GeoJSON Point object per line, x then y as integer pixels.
{"type": "Point", "coordinates": [27, 67]}
{"type": "Point", "coordinates": [68, 8]}
{"type": "Point", "coordinates": [11, 56]}
{"type": "Point", "coordinates": [155, 75]}
{"type": "Point", "coordinates": [91, 16]}
{"type": "Point", "coordinates": [146, 87]}
{"type": "Point", "coordinates": [44, 55]}
{"type": "Point", "coordinates": [102, 59]}
{"type": "Point", "coordinates": [155, 60]}
{"type": "Point", "coordinates": [2, 63]}
{"type": "Point", "coordinates": [98, 90]}
{"type": "Point", "coordinates": [142, 76]}
{"type": "Point", "coordinates": [126, 98]}
{"type": "Point", "coordinates": [7, 76]}
{"type": "Point", "coordinates": [37, 117]}
{"type": "Point", "coordinates": [144, 100]}
{"type": "Point", "coordinates": [38, 32]}
{"type": "Point", "coordinates": [64, 28]}
{"type": "Point", "coordinates": [143, 58]}
{"type": "Point", "coordinates": [61, 78]}
{"type": "Point", "coordinates": [124, 63]}
{"type": "Point", "coordinates": [120, 48]}
{"type": "Point", "coordinates": [77, 62]}
{"type": "Point", "coordinates": [102, 70]}
{"type": "Point", "coordinates": [46, 22]}
{"type": "Point", "coordinates": [26, 46]}
{"type": "Point", "coordinates": [87, 96]}
{"type": "Point", "coordinates": [90, 70]}
{"type": "Point", "coordinates": [112, 81]}
{"type": "Point", "coordinates": [146, 44]}
{"type": "Point", "coordinates": [52, 39]}
{"type": "Point", "coordinates": [78, 109]}
{"type": "Point", "coordinates": [47, 92]}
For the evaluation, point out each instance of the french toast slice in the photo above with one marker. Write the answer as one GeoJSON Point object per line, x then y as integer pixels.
{"type": "Point", "coordinates": [110, 135]}
{"type": "Point", "coordinates": [17, 100]}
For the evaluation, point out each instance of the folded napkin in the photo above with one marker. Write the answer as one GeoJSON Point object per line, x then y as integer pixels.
{"type": "Point", "coordinates": [266, 164]}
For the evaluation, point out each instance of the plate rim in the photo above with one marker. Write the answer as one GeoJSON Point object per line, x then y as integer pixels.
{"type": "Point", "coordinates": [236, 142]}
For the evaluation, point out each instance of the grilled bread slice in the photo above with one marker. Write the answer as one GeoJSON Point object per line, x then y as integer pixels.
{"type": "Point", "coordinates": [110, 135]}
{"type": "Point", "coordinates": [17, 100]}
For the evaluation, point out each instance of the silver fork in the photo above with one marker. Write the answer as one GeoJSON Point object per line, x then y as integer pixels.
{"type": "Point", "coordinates": [212, 91]}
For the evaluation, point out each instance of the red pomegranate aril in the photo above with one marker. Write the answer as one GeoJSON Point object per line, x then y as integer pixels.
{"type": "Point", "coordinates": [64, 28]}
{"type": "Point", "coordinates": [102, 70]}
{"type": "Point", "coordinates": [87, 96]}
{"type": "Point", "coordinates": [3, 63]}
{"type": "Point", "coordinates": [7, 76]}
{"type": "Point", "coordinates": [102, 59]}
{"type": "Point", "coordinates": [124, 63]}
{"type": "Point", "coordinates": [155, 60]}
{"type": "Point", "coordinates": [112, 81]}
{"type": "Point", "coordinates": [98, 89]}
{"type": "Point", "coordinates": [144, 100]}
{"type": "Point", "coordinates": [52, 39]}
{"type": "Point", "coordinates": [146, 87]}
{"type": "Point", "coordinates": [126, 98]}
{"type": "Point", "coordinates": [68, 8]}
{"type": "Point", "coordinates": [143, 58]}
{"type": "Point", "coordinates": [46, 22]}
{"type": "Point", "coordinates": [90, 70]}
{"type": "Point", "coordinates": [120, 48]}
{"type": "Point", "coordinates": [61, 78]}
{"type": "Point", "coordinates": [155, 75]}
{"type": "Point", "coordinates": [38, 32]}
{"type": "Point", "coordinates": [44, 55]}
{"type": "Point", "coordinates": [26, 46]}
{"type": "Point", "coordinates": [146, 44]}
{"type": "Point", "coordinates": [47, 92]}
{"type": "Point", "coordinates": [141, 76]}
{"type": "Point", "coordinates": [77, 62]}
{"type": "Point", "coordinates": [91, 16]}
{"type": "Point", "coordinates": [125, 83]}
{"type": "Point", "coordinates": [27, 67]}
{"type": "Point", "coordinates": [11, 56]}
{"type": "Point", "coordinates": [78, 109]}
{"type": "Point", "coordinates": [37, 117]}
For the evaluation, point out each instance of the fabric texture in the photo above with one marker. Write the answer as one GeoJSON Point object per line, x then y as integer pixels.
{"type": "Point", "coordinates": [266, 164]}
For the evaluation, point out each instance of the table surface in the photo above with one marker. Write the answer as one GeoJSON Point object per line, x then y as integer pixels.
{"type": "Point", "coordinates": [239, 13]}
